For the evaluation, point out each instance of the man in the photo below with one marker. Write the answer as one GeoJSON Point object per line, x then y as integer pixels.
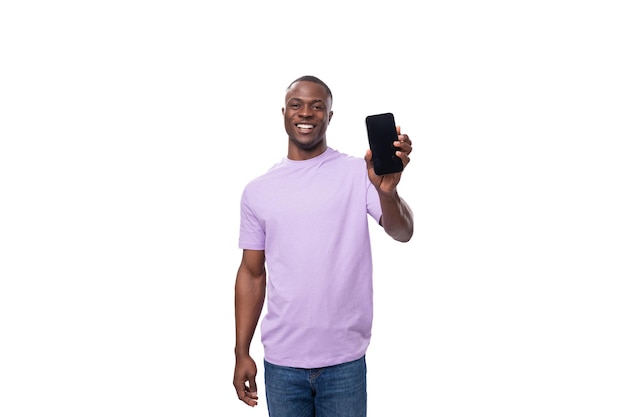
{"type": "Point", "coordinates": [306, 218]}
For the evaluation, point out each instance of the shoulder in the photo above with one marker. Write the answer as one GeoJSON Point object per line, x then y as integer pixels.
{"type": "Point", "coordinates": [265, 179]}
{"type": "Point", "coordinates": [346, 160]}
{"type": "Point", "coordinates": [268, 174]}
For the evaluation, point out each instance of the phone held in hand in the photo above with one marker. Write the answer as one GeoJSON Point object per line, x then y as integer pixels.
{"type": "Point", "coordinates": [381, 133]}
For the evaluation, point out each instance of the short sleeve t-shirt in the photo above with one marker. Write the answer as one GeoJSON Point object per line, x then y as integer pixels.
{"type": "Point", "coordinates": [310, 218]}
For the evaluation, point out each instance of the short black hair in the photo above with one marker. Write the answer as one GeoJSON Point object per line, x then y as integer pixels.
{"type": "Point", "coordinates": [313, 79]}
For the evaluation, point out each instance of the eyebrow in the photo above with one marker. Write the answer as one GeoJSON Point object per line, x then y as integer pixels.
{"type": "Point", "coordinates": [316, 100]}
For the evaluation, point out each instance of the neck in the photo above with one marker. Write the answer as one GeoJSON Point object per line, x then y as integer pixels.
{"type": "Point", "coordinates": [297, 153]}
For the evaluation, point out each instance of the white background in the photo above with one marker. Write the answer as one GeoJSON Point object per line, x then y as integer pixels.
{"type": "Point", "coordinates": [129, 128]}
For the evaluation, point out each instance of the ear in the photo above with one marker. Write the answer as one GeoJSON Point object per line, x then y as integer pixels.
{"type": "Point", "coordinates": [330, 116]}
{"type": "Point", "coordinates": [283, 110]}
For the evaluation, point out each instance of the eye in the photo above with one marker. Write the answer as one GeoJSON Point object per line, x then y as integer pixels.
{"type": "Point", "coordinates": [318, 107]}
{"type": "Point", "coordinates": [294, 105]}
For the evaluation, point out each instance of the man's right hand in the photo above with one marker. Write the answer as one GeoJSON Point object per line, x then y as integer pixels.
{"type": "Point", "coordinates": [245, 380]}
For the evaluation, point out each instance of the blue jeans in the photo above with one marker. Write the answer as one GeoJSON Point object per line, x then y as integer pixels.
{"type": "Point", "coordinates": [333, 391]}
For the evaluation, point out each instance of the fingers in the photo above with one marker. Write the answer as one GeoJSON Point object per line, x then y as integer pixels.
{"type": "Point", "coordinates": [405, 147]}
{"type": "Point", "coordinates": [248, 394]}
{"type": "Point", "coordinates": [404, 157]}
{"type": "Point", "coordinates": [403, 142]}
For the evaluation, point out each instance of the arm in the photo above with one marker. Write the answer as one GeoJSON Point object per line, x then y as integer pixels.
{"type": "Point", "coordinates": [249, 299]}
{"type": "Point", "coordinates": [397, 218]}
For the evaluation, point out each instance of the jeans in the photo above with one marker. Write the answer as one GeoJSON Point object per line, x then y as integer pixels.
{"type": "Point", "coordinates": [333, 391]}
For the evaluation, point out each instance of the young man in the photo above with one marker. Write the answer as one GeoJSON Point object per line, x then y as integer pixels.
{"type": "Point", "coordinates": [306, 218]}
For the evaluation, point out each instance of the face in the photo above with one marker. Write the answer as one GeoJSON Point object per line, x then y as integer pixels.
{"type": "Point", "coordinates": [307, 114]}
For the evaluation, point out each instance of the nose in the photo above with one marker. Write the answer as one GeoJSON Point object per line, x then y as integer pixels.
{"type": "Point", "coordinates": [306, 111]}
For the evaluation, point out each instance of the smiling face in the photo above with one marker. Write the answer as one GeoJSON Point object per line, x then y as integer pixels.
{"type": "Point", "coordinates": [307, 113]}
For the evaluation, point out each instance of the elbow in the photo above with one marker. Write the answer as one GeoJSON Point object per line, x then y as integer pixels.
{"type": "Point", "coordinates": [405, 236]}
{"type": "Point", "coordinates": [402, 233]}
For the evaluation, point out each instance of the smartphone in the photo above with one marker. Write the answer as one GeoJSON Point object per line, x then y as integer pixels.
{"type": "Point", "coordinates": [381, 133]}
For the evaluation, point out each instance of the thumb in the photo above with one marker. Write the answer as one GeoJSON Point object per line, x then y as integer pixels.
{"type": "Point", "coordinates": [368, 157]}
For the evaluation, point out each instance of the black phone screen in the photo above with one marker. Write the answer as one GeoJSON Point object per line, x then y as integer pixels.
{"type": "Point", "coordinates": [381, 133]}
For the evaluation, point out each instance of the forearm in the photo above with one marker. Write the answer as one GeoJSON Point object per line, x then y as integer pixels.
{"type": "Point", "coordinates": [249, 299]}
{"type": "Point", "coordinates": [397, 218]}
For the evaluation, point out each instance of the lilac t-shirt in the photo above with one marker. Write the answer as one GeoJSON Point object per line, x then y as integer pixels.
{"type": "Point", "coordinates": [310, 217]}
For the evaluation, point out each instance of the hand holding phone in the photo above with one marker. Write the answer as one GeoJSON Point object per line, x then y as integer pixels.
{"type": "Point", "coordinates": [381, 134]}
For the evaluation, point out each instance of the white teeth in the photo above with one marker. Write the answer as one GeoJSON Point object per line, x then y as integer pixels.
{"type": "Point", "coordinates": [301, 126]}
